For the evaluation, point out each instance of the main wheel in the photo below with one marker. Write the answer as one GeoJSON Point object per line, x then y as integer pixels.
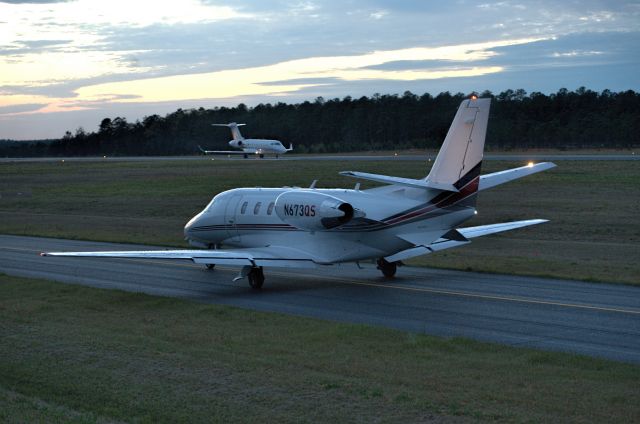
{"type": "Point", "coordinates": [261, 156]}
{"type": "Point", "coordinates": [246, 156]}
{"type": "Point", "coordinates": [388, 268]}
{"type": "Point", "coordinates": [256, 278]}
{"type": "Point", "coordinates": [211, 266]}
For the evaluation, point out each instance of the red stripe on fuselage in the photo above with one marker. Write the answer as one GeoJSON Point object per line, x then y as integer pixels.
{"type": "Point", "coordinates": [449, 200]}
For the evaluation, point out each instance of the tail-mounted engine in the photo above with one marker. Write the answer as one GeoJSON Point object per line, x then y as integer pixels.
{"type": "Point", "coordinates": [314, 211]}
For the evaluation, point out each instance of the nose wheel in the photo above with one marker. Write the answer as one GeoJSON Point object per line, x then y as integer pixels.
{"type": "Point", "coordinates": [256, 278]}
{"type": "Point", "coordinates": [388, 268]}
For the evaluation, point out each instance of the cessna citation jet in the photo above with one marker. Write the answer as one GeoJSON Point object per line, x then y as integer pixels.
{"type": "Point", "coordinates": [257, 146]}
{"type": "Point", "coordinates": [297, 227]}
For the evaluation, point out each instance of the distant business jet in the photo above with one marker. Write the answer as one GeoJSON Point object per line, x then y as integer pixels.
{"type": "Point", "coordinates": [257, 146]}
{"type": "Point", "coordinates": [297, 227]}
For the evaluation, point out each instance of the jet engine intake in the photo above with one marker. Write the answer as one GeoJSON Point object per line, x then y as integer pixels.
{"type": "Point", "coordinates": [314, 211]}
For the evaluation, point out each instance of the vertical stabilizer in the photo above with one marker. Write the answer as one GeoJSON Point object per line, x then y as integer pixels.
{"type": "Point", "coordinates": [462, 149]}
{"type": "Point", "coordinates": [235, 131]}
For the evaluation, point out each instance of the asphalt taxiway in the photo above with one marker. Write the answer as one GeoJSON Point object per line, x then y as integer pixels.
{"type": "Point", "coordinates": [401, 157]}
{"type": "Point", "coordinates": [600, 320]}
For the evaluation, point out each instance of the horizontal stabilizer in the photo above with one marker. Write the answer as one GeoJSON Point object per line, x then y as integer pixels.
{"type": "Point", "coordinates": [483, 230]}
{"type": "Point", "coordinates": [229, 125]}
{"type": "Point", "coordinates": [409, 182]}
{"type": "Point", "coordinates": [497, 178]}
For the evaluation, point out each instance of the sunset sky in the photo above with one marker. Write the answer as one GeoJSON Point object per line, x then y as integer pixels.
{"type": "Point", "coordinates": [68, 64]}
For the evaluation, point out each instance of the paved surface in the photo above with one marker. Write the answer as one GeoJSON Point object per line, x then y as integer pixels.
{"type": "Point", "coordinates": [419, 157]}
{"type": "Point", "coordinates": [594, 319]}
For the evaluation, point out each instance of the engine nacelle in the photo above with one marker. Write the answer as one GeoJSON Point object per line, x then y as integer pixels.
{"type": "Point", "coordinates": [314, 211]}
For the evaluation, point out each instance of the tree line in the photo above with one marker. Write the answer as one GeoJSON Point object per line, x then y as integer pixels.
{"type": "Point", "coordinates": [564, 120]}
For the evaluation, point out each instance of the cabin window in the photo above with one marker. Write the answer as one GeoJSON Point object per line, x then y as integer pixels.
{"type": "Point", "coordinates": [270, 208]}
{"type": "Point", "coordinates": [244, 207]}
{"type": "Point", "coordinates": [256, 209]}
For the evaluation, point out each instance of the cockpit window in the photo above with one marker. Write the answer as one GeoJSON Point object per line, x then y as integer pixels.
{"type": "Point", "coordinates": [270, 208]}
{"type": "Point", "coordinates": [256, 209]}
{"type": "Point", "coordinates": [244, 207]}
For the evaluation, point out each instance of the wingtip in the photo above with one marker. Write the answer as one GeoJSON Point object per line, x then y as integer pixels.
{"type": "Point", "coordinates": [538, 221]}
{"type": "Point", "coordinates": [43, 254]}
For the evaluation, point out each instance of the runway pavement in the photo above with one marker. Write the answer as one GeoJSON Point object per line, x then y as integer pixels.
{"type": "Point", "coordinates": [595, 319]}
{"type": "Point", "coordinates": [400, 157]}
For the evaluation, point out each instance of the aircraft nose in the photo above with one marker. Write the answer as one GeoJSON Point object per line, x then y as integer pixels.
{"type": "Point", "coordinates": [193, 222]}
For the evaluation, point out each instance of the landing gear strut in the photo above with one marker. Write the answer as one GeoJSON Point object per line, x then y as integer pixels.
{"type": "Point", "coordinates": [388, 268]}
{"type": "Point", "coordinates": [256, 278]}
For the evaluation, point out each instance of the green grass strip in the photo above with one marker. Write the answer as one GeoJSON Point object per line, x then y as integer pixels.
{"type": "Point", "coordinates": [76, 354]}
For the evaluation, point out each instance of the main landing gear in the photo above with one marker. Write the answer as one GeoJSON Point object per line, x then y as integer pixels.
{"type": "Point", "coordinates": [211, 266]}
{"type": "Point", "coordinates": [388, 268]}
{"type": "Point", "coordinates": [256, 278]}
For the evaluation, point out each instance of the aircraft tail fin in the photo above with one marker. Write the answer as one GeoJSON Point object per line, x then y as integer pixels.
{"type": "Point", "coordinates": [290, 147]}
{"type": "Point", "coordinates": [235, 131]}
{"type": "Point", "coordinates": [460, 157]}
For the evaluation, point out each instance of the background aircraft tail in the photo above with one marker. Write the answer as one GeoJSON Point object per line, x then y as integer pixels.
{"type": "Point", "coordinates": [235, 131]}
{"type": "Point", "coordinates": [460, 157]}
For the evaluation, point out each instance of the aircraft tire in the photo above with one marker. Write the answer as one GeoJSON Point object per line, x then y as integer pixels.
{"type": "Point", "coordinates": [256, 278]}
{"type": "Point", "coordinates": [388, 268]}
{"type": "Point", "coordinates": [211, 266]}
{"type": "Point", "coordinates": [261, 156]}
{"type": "Point", "coordinates": [246, 156]}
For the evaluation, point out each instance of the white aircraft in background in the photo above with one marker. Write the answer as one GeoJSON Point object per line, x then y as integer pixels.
{"type": "Point", "coordinates": [296, 227]}
{"type": "Point", "coordinates": [258, 146]}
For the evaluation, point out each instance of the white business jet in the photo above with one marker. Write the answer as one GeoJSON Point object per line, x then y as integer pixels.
{"type": "Point", "coordinates": [295, 227]}
{"type": "Point", "coordinates": [257, 146]}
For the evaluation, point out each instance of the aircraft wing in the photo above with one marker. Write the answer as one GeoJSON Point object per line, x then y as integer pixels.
{"type": "Point", "coordinates": [460, 237]}
{"type": "Point", "coordinates": [266, 256]}
{"type": "Point", "coordinates": [222, 152]}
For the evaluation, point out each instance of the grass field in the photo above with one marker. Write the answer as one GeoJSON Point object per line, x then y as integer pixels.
{"type": "Point", "coordinates": [77, 354]}
{"type": "Point", "coordinates": [593, 233]}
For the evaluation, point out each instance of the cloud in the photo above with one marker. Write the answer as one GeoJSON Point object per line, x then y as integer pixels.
{"type": "Point", "coordinates": [27, 107]}
{"type": "Point", "coordinates": [88, 54]}
{"type": "Point", "coordinates": [260, 80]}
{"type": "Point", "coordinates": [33, 1]}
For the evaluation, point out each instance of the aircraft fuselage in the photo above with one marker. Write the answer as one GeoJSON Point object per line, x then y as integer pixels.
{"type": "Point", "coordinates": [251, 145]}
{"type": "Point", "coordinates": [292, 217]}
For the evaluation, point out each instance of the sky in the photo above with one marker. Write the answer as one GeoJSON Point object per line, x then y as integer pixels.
{"type": "Point", "coordinates": [69, 64]}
